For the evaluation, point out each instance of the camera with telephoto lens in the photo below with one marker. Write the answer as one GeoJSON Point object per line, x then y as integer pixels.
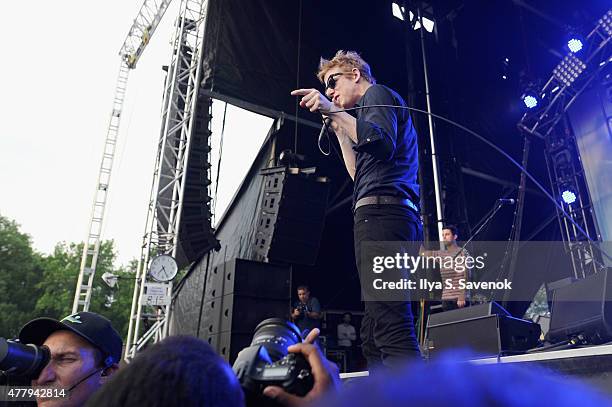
{"type": "Point", "coordinates": [266, 362]}
{"type": "Point", "coordinates": [22, 360]}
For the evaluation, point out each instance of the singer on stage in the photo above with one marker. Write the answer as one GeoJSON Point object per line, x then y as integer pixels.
{"type": "Point", "coordinates": [379, 148]}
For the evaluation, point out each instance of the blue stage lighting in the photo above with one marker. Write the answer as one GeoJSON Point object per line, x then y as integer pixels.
{"type": "Point", "coordinates": [575, 45]}
{"type": "Point", "coordinates": [530, 101]}
{"type": "Point", "coordinates": [568, 197]}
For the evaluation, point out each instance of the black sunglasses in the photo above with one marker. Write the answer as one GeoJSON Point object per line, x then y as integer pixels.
{"type": "Point", "coordinates": [331, 82]}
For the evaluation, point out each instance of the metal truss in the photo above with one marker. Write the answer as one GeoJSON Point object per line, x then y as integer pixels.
{"type": "Point", "coordinates": [549, 122]}
{"type": "Point", "coordinates": [566, 172]}
{"type": "Point", "coordinates": [168, 187]}
{"type": "Point", "coordinates": [138, 37]}
{"type": "Point", "coordinates": [561, 90]}
{"type": "Point", "coordinates": [91, 247]}
{"type": "Point", "coordinates": [145, 23]}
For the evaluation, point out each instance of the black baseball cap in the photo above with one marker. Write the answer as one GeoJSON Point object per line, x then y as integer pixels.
{"type": "Point", "coordinates": [92, 327]}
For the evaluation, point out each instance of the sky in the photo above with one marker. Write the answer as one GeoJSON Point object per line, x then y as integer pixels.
{"type": "Point", "coordinates": [58, 75]}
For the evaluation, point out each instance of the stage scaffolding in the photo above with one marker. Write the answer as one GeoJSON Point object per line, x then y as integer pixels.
{"type": "Point", "coordinates": [569, 79]}
{"type": "Point", "coordinates": [184, 113]}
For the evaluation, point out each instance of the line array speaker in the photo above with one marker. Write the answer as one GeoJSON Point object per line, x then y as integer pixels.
{"type": "Point", "coordinates": [291, 217]}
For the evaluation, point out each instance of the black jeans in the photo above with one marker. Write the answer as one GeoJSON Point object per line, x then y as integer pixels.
{"type": "Point", "coordinates": [387, 328]}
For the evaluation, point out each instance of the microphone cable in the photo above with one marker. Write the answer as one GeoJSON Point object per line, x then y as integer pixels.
{"type": "Point", "coordinates": [488, 143]}
{"type": "Point", "coordinates": [324, 132]}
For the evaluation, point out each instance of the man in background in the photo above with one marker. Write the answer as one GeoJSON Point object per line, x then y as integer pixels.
{"type": "Point", "coordinates": [347, 335]}
{"type": "Point", "coordinates": [453, 296]}
{"type": "Point", "coordinates": [306, 312]}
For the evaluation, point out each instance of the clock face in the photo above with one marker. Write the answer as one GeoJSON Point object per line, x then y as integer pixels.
{"type": "Point", "coordinates": [163, 268]}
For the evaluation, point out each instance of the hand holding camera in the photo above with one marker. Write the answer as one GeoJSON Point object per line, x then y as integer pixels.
{"type": "Point", "coordinates": [278, 368]}
{"type": "Point", "coordinates": [325, 373]}
{"type": "Point", "coordinates": [304, 309]}
{"type": "Point", "coordinates": [300, 311]}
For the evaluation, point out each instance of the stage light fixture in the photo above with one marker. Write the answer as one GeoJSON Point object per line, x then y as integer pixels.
{"type": "Point", "coordinates": [110, 279]}
{"type": "Point", "coordinates": [427, 23]}
{"type": "Point", "coordinates": [398, 11]}
{"type": "Point", "coordinates": [606, 23]}
{"type": "Point", "coordinates": [569, 197]}
{"type": "Point", "coordinates": [530, 100]}
{"type": "Point", "coordinates": [568, 70]}
{"type": "Point", "coordinates": [575, 45]}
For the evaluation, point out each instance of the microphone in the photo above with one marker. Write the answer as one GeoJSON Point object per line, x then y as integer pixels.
{"type": "Point", "coordinates": [506, 201]}
{"type": "Point", "coordinates": [85, 378]}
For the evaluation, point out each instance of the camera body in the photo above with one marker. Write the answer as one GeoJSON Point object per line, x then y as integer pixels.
{"type": "Point", "coordinates": [257, 371]}
{"type": "Point", "coordinates": [303, 308]}
{"type": "Point", "coordinates": [266, 362]}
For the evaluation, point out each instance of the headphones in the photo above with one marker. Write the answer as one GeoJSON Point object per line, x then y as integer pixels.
{"type": "Point", "coordinates": [108, 362]}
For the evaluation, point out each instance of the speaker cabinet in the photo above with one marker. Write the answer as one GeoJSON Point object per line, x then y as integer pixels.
{"type": "Point", "coordinates": [484, 330]}
{"type": "Point", "coordinates": [460, 314]}
{"type": "Point", "coordinates": [292, 216]}
{"type": "Point", "coordinates": [239, 295]}
{"type": "Point", "coordinates": [583, 307]}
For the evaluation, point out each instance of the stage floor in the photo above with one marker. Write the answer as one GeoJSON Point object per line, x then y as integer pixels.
{"type": "Point", "coordinates": [592, 364]}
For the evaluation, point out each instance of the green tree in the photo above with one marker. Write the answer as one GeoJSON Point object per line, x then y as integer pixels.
{"type": "Point", "coordinates": [20, 272]}
{"type": "Point", "coordinates": [539, 305]}
{"type": "Point", "coordinates": [61, 270]}
{"type": "Point", "coordinates": [33, 285]}
{"type": "Point", "coordinates": [59, 284]}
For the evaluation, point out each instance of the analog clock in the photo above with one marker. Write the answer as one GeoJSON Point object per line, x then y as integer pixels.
{"type": "Point", "coordinates": [163, 268]}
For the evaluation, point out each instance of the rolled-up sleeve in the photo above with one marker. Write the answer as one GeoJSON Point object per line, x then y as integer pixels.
{"type": "Point", "coordinates": [377, 126]}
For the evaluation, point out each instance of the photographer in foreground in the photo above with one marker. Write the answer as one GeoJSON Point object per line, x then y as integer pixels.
{"type": "Point", "coordinates": [185, 371]}
{"type": "Point", "coordinates": [74, 356]}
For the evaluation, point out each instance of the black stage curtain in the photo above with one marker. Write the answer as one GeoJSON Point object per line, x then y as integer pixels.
{"type": "Point", "coordinates": [251, 48]}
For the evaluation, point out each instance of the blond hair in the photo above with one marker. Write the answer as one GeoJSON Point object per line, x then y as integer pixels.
{"type": "Point", "coordinates": [345, 59]}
